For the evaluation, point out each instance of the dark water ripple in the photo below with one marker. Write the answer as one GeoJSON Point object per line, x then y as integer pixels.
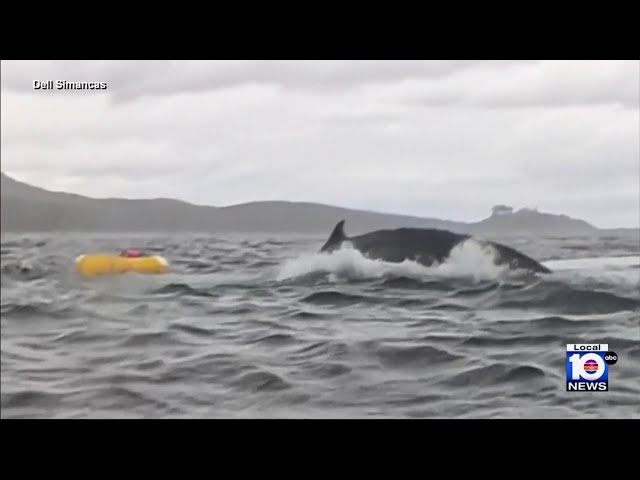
{"type": "Point", "coordinates": [250, 326]}
{"type": "Point", "coordinates": [571, 300]}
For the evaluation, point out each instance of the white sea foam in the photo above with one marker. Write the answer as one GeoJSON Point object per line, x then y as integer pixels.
{"type": "Point", "coordinates": [469, 259]}
{"type": "Point", "coordinates": [622, 273]}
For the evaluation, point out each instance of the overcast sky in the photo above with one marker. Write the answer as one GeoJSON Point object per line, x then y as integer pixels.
{"type": "Point", "coordinates": [444, 139]}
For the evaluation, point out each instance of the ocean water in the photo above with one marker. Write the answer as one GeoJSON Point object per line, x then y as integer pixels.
{"type": "Point", "coordinates": [262, 326]}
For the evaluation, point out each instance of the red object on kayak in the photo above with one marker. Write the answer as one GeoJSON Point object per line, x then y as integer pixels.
{"type": "Point", "coordinates": [132, 253]}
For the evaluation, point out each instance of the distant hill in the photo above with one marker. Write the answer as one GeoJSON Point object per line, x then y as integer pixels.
{"type": "Point", "coordinates": [527, 221]}
{"type": "Point", "coordinates": [26, 208]}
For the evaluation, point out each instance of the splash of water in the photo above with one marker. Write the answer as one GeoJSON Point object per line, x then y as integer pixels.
{"type": "Point", "coordinates": [620, 274]}
{"type": "Point", "coordinates": [467, 260]}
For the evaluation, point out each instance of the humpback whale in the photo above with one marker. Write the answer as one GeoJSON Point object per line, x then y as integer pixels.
{"type": "Point", "coordinates": [427, 246]}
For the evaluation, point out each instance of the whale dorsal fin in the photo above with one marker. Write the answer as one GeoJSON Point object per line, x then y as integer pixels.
{"type": "Point", "coordinates": [336, 238]}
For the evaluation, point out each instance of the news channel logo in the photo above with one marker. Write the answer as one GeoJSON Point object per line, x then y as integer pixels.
{"type": "Point", "coordinates": [588, 367]}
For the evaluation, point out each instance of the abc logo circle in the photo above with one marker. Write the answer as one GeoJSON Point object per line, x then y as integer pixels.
{"type": "Point", "coordinates": [611, 358]}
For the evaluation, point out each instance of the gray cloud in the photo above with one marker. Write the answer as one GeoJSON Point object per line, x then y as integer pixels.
{"type": "Point", "coordinates": [440, 139]}
{"type": "Point", "coordinates": [557, 83]}
{"type": "Point", "coordinates": [129, 80]}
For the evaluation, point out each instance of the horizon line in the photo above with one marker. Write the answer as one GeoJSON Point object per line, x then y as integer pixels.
{"type": "Point", "coordinates": [354, 209]}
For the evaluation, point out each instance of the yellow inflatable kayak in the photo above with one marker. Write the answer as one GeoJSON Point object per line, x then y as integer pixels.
{"type": "Point", "coordinates": [104, 264]}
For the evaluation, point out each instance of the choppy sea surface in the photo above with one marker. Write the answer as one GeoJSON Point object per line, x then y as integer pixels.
{"type": "Point", "coordinates": [254, 326]}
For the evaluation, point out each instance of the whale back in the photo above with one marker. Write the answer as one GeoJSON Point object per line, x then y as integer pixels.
{"type": "Point", "coordinates": [424, 245]}
{"type": "Point", "coordinates": [516, 260]}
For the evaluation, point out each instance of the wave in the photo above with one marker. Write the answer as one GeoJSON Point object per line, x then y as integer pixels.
{"type": "Point", "coordinates": [619, 275]}
{"type": "Point", "coordinates": [566, 299]}
{"type": "Point", "coordinates": [182, 289]}
{"type": "Point", "coordinates": [318, 335]}
{"type": "Point", "coordinates": [21, 271]}
{"type": "Point", "coordinates": [468, 260]}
